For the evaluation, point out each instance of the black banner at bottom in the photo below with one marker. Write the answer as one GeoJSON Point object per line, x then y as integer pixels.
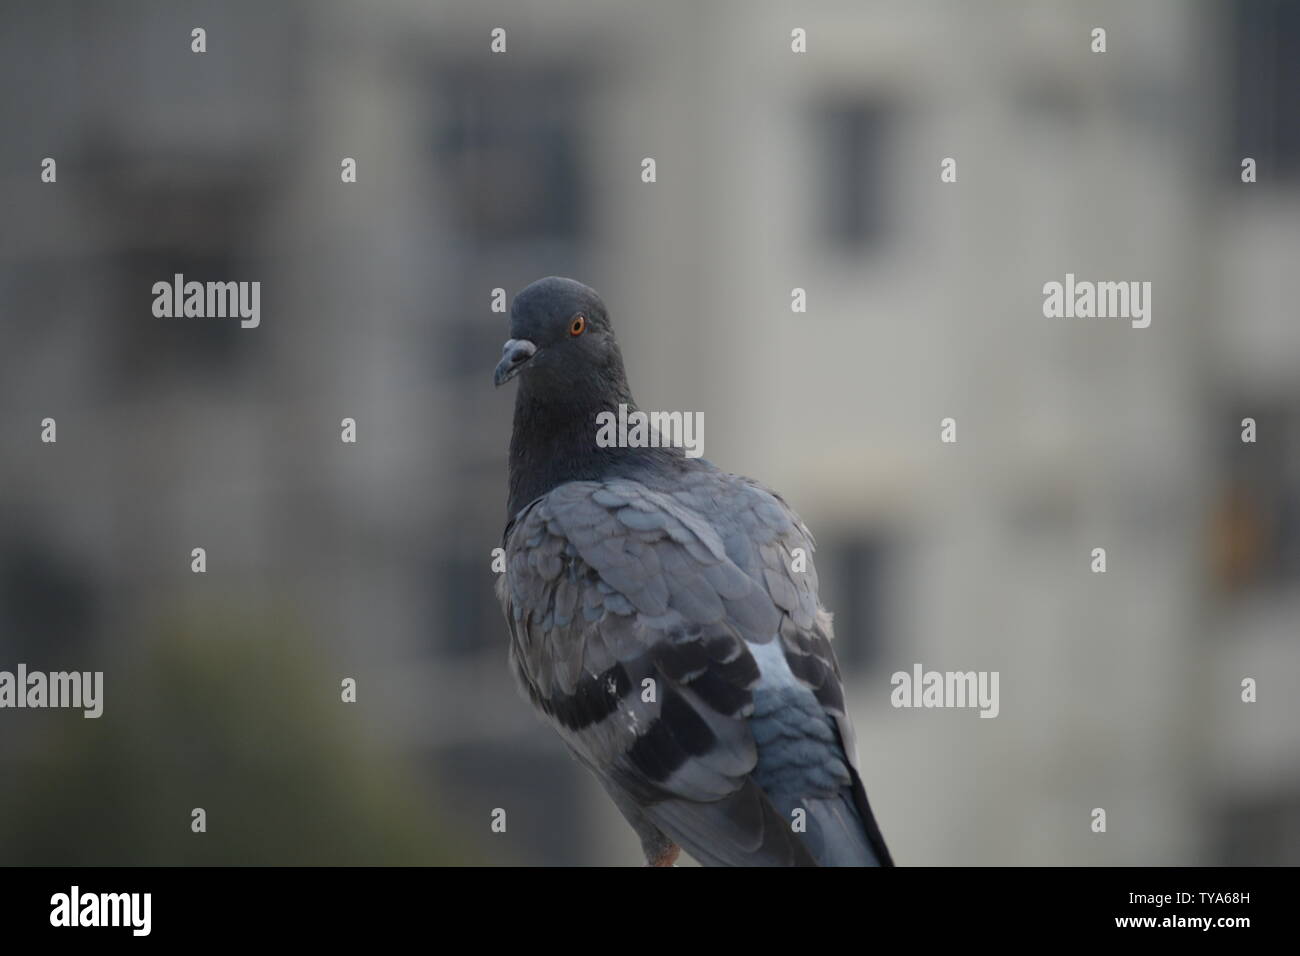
{"type": "Point", "coordinates": [215, 905]}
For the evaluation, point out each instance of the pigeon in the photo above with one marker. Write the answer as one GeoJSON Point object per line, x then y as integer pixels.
{"type": "Point", "coordinates": [658, 622]}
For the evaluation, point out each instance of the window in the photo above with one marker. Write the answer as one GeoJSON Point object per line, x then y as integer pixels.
{"type": "Point", "coordinates": [852, 572]}
{"type": "Point", "coordinates": [469, 620]}
{"type": "Point", "coordinates": [1266, 84]}
{"type": "Point", "coordinates": [1263, 831]}
{"type": "Point", "coordinates": [1255, 524]}
{"type": "Point", "coordinates": [850, 171]}
{"type": "Point", "coordinates": [46, 603]}
{"type": "Point", "coordinates": [201, 228]}
{"type": "Point", "coordinates": [147, 347]}
{"type": "Point", "coordinates": [506, 143]}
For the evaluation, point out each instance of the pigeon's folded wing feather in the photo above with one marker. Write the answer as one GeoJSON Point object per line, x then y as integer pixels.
{"type": "Point", "coordinates": [630, 624]}
{"type": "Point", "coordinates": [806, 630]}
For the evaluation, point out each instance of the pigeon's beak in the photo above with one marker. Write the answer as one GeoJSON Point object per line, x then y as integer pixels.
{"type": "Point", "coordinates": [514, 356]}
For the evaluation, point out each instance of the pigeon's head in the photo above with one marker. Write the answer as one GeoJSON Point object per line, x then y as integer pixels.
{"type": "Point", "coordinates": [560, 339]}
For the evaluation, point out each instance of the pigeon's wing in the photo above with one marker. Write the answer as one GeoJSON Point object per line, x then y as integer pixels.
{"type": "Point", "coordinates": [806, 740]}
{"type": "Point", "coordinates": [630, 629]}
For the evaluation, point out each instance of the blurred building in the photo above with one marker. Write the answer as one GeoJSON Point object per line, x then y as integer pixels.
{"type": "Point", "coordinates": [775, 171]}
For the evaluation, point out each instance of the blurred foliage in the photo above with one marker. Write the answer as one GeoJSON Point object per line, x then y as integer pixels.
{"type": "Point", "coordinates": [234, 715]}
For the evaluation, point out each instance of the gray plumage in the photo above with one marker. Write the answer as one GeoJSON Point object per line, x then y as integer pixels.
{"type": "Point", "coordinates": [656, 620]}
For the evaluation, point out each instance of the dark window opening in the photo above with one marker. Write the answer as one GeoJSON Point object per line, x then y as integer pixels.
{"type": "Point", "coordinates": [508, 150]}
{"type": "Point", "coordinates": [201, 229]}
{"type": "Point", "coordinates": [468, 618]}
{"type": "Point", "coordinates": [852, 577]}
{"type": "Point", "coordinates": [851, 141]}
{"type": "Point", "coordinates": [1265, 51]}
{"type": "Point", "coordinates": [1255, 522]}
{"type": "Point", "coordinates": [1260, 832]}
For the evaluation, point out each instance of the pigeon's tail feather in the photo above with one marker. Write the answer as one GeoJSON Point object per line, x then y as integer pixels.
{"type": "Point", "coordinates": [875, 838]}
{"type": "Point", "coordinates": [742, 829]}
{"type": "Point", "coordinates": [840, 840]}
{"type": "Point", "coordinates": [808, 772]}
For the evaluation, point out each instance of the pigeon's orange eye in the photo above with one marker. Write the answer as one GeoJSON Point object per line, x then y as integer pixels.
{"type": "Point", "coordinates": [578, 324]}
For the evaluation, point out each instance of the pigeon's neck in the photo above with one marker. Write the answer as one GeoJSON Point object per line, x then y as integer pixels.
{"type": "Point", "coordinates": [554, 442]}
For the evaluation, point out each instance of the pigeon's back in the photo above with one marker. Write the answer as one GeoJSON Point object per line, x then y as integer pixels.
{"type": "Point", "coordinates": [666, 620]}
